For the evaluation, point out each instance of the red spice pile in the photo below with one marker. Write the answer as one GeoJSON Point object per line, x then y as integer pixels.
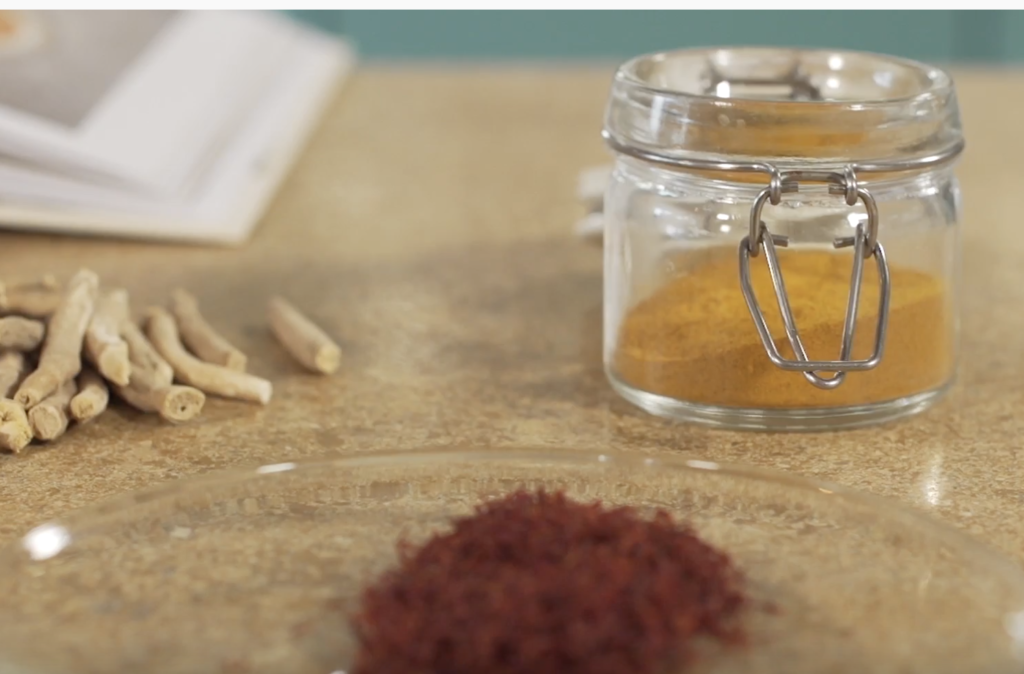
{"type": "Point", "coordinates": [538, 583]}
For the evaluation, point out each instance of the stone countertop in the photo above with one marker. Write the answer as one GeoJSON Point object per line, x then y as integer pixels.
{"type": "Point", "coordinates": [429, 227]}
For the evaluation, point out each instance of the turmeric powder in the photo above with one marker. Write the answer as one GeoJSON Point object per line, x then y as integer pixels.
{"type": "Point", "coordinates": [693, 338]}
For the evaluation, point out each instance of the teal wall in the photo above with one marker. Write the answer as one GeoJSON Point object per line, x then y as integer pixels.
{"type": "Point", "coordinates": [947, 35]}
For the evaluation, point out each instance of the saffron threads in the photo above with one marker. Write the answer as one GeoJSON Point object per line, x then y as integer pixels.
{"type": "Point", "coordinates": [535, 582]}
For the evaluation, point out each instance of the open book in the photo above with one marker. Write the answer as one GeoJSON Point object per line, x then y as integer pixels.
{"type": "Point", "coordinates": [175, 125]}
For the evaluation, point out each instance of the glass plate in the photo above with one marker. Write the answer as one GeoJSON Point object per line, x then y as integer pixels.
{"type": "Point", "coordinates": [257, 571]}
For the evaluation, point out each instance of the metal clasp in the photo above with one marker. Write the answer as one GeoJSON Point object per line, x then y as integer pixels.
{"type": "Point", "coordinates": [865, 244]}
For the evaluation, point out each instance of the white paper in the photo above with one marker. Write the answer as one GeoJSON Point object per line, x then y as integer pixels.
{"type": "Point", "coordinates": [223, 184]}
{"type": "Point", "coordinates": [162, 111]}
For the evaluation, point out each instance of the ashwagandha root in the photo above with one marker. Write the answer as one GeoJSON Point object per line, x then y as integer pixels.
{"type": "Point", "coordinates": [104, 346]}
{"type": "Point", "coordinates": [200, 337]}
{"type": "Point", "coordinates": [150, 388]}
{"type": "Point", "coordinates": [150, 392]}
{"type": "Point", "coordinates": [37, 299]}
{"type": "Point", "coordinates": [173, 403]}
{"type": "Point", "coordinates": [49, 419]}
{"type": "Point", "coordinates": [143, 356]}
{"type": "Point", "coordinates": [215, 379]}
{"type": "Point", "coordinates": [302, 338]}
{"type": "Point", "coordinates": [92, 397]}
{"type": "Point", "coordinates": [21, 334]}
{"type": "Point", "coordinates": [12, 368]}
{"type": "Point", "coordinates": [44, 282]}
{"type": "Point", "coordinates": [15, 429]}
{"type": "Point", "coordinates": [61, 357]}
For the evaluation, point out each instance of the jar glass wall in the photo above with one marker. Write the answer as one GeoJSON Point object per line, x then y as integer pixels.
{"type": "Point", "coordinates": [680, 335]}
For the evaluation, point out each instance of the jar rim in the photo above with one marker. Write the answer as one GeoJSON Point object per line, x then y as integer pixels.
{"type": "Point", "coordinates": [937, 80]}
{"type": "Point", "coordinates": [781, 106]}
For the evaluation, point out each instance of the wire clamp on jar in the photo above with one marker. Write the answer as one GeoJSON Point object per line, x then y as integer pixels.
{"type": "Point", "coordinates": [865, 244]}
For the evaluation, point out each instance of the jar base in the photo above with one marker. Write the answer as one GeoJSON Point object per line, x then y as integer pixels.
{"type": "Point", "coordinates": [760, 419]}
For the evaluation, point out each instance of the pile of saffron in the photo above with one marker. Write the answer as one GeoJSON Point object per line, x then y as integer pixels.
{"type": "Point", "coordinates": [536, 582]}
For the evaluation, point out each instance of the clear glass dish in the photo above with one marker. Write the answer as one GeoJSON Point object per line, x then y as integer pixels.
{"type": "Point", "coordinates": [257, 571]}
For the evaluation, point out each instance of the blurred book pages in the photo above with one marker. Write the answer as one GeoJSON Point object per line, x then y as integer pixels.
{"type": "Point", "coordinates": [176, 125]}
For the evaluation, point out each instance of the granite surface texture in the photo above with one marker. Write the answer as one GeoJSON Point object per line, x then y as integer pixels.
{"type": "Point", "coordinates": [429, 228]}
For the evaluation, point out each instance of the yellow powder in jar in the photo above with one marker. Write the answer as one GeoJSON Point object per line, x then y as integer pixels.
{"type": "Point", "coordinates": [693, 338]}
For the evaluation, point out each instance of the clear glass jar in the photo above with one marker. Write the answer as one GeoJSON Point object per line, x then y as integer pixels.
{"type": "Point", "coordinates": [823, 163]}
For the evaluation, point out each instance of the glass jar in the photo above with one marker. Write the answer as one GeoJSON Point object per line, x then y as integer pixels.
{"type": "Point", "coordinates": [781, 237]}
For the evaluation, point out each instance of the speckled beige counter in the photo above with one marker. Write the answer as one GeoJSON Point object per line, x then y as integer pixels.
{"type": "Point", "coordinates": [429, 227]}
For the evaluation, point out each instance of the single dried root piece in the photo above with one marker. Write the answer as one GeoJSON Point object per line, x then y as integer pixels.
{"type": "Point", "coordinates": [200, 337]}
{"type": "Point", "coordinates": [306, 342]}
{"type": "Point", "coordinates": [61, 358]}
{"type": "Point", "coordinates": [104, 346]}
{"type": "Point", "coordinates": [92, 397]}
{"type": "Point", "coordinates": [21, 334]}
{"type": "Point", "coordinates": [12, 367]}
{"type": "Point", "coordinates": [150, 389]}
{"type": "Point", "coordinates": [173, 403]}
{"type": "Point", "coordinates": [44, 282]}
{"type": "Point", "coordinates": [143, 356]}
{"type": "Point", "coordinates": [49, 419]}
{"type": "Point", "coordinates": [37, 299]}
{"type": "Point", "coordinates": [215, 379]}
{"type": "Point", "coordinates": [148, 393]}
{"type": "Point", "coordinates": [15, 429]}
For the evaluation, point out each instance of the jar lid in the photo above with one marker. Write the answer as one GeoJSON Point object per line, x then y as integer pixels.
{"type": "Point", "coordinates": [784, 107]}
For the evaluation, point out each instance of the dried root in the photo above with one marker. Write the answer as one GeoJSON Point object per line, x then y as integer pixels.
{"type": "Point", "coordinates": [143, 356]}
{"type": "Point", "coordinates": [49, 419]}
{"type": "Point", "coordinates": [21, 334]}
{"type": "Point", "coordinates": [38, 299]}
{"type": "Point", "coordinates": [61, 357]}
{"type": "Point", "coordinates": [173, 403]}
{"type": "Point", "coordinates": [306, 342]}
{"type": "Point", "coordinates": [215, 379]}
{"type": "Point", "coordinates": [138, 365]}
{"type": "Point", "coordinates": [200, 337]}
{"type": "Point", "coordinates": [150, 388]}
{"type": "Point", "coordinates": [92, 397]}
{"type": "Point", "coordinates": [12, 368]}
{"type": "Point", "coordinates": [104, 346]}
{"type": "Point", "coordinates": [15, 429]}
